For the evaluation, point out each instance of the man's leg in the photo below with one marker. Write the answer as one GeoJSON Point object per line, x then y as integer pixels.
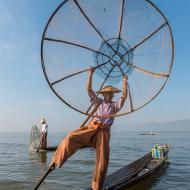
{"type": "Point", "coordinates": [42, 142]}
{"type": "Point", "coordinates": [45, 140]}
{"type": "Point", "coordinates": [102, 158]}
{"type": "Point", "coordinates": [71, 143]}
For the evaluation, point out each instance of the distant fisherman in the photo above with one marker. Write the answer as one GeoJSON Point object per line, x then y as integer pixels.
{"type": "Point", "coordinates": [96, 134]}
{"type": "Point", "coordinates": [44, 132]}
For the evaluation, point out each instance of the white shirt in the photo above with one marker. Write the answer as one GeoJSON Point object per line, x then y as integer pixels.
{"type": "Point", "coordinates": [44, 128]}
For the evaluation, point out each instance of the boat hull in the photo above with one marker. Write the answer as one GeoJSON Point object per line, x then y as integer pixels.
{"type": "Point", "coordinates": [50, 148]}
{"type": "Point", "coordinates": [134, 172]}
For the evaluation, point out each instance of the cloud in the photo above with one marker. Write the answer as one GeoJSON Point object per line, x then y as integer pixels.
{"type": "Point", "coordinates": [18, 41]}
{"type": "Point", "coordinates": [46, 103]}
{"type": "Point", "coordinates": [10, 110]}
{"type": "Point", "coordinates": [6, 18]}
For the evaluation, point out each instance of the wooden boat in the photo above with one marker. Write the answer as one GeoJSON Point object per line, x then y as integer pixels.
{"type": "Point", "coordinates": [135, 171]}
{"type": "Point", "coordinates": [149, 133]}
{"type": "Point", "coordinates": [50, 148]}
{"type": "Point", "coordinates": [53, 148]}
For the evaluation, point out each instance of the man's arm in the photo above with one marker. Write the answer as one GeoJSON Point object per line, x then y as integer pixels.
{"type": "Point", "coordinates": [89, 87]}
{"type": "Point", "coordinates": [121, 101]}
{"type": "Point", "coordinates": [124, 89]}
{"type": "Point", "coordinates": [93, 98]}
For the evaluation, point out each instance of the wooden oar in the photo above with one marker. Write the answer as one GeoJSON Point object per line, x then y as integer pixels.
{"type": "Point", "coordinates": [52, 166]}
{"type": "Point", "coordinates": [89, 116]}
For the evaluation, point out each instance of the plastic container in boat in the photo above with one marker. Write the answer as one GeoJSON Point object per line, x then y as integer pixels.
{"type": "Point", "coordinates": [157, 152]}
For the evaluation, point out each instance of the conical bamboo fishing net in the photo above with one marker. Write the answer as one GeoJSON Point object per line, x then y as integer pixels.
{"type": "Point", "coordinates": [34, 139]}
{"type": "Point", "coordinates": [117, 37]}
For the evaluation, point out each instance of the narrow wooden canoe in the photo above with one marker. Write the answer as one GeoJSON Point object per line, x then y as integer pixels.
{"type": "Point", "coordinates": [53, 148]}
{"type": "Point", "coordinates": [149, 133]}
{"type": "Point", "coordinates": [134, 172]}
{"type": "Point", "coordinates": [50, 148]}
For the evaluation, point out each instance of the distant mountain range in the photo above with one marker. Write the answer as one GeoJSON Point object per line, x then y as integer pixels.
{"type": "Point", "coordinates": [178, 125]}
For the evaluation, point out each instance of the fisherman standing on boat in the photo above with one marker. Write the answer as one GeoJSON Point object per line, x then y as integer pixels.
{"type": "Point", "coordinates": [96, 134]}
{"type": "Point", "coordinates": [44, 132]}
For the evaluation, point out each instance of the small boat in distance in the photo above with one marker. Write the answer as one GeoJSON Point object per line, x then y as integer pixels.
{"type": "Point", "coordinates": [149, 133]}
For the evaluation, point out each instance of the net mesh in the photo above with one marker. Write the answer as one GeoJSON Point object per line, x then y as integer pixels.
{"type": "Point", "coordinates": [34, 139]}
{"type": "Point", "coordinates": [117, 37]}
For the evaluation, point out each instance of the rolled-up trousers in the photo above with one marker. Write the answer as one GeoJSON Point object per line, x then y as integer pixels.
{"type": "Point", "coordinates": [43, 141]}
{"type": "Point", "coordinates": [94, 135]}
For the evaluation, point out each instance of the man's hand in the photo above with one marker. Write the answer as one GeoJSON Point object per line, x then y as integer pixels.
{"type": "Point", "coordinates": [91, 70]}
{"type": "Point", "coordinates": [125, 78]}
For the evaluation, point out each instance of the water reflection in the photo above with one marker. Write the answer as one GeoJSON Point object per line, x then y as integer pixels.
{"type": "Point", "coordinates": [40, 157]}
{"type": "Point", "coordinates": [43, 158]}
{"type": "Point", "coordinates": [38, 163]}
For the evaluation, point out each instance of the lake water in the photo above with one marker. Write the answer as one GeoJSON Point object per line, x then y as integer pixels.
{"type": "Point", "coordinates": [19, 168]}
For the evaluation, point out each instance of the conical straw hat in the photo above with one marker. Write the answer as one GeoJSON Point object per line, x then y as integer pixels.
{"type": "Point", "coordinates": [108, 89]}
{"type": "Point", "coordinates": [43, 120]}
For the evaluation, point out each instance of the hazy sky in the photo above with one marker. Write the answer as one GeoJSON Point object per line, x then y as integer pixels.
{"type": "Point", "coordinates": [25, 96]}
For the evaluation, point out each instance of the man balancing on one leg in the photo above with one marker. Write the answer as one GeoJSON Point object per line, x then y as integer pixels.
{"type": "Point", "coordinates": [96, 134]}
